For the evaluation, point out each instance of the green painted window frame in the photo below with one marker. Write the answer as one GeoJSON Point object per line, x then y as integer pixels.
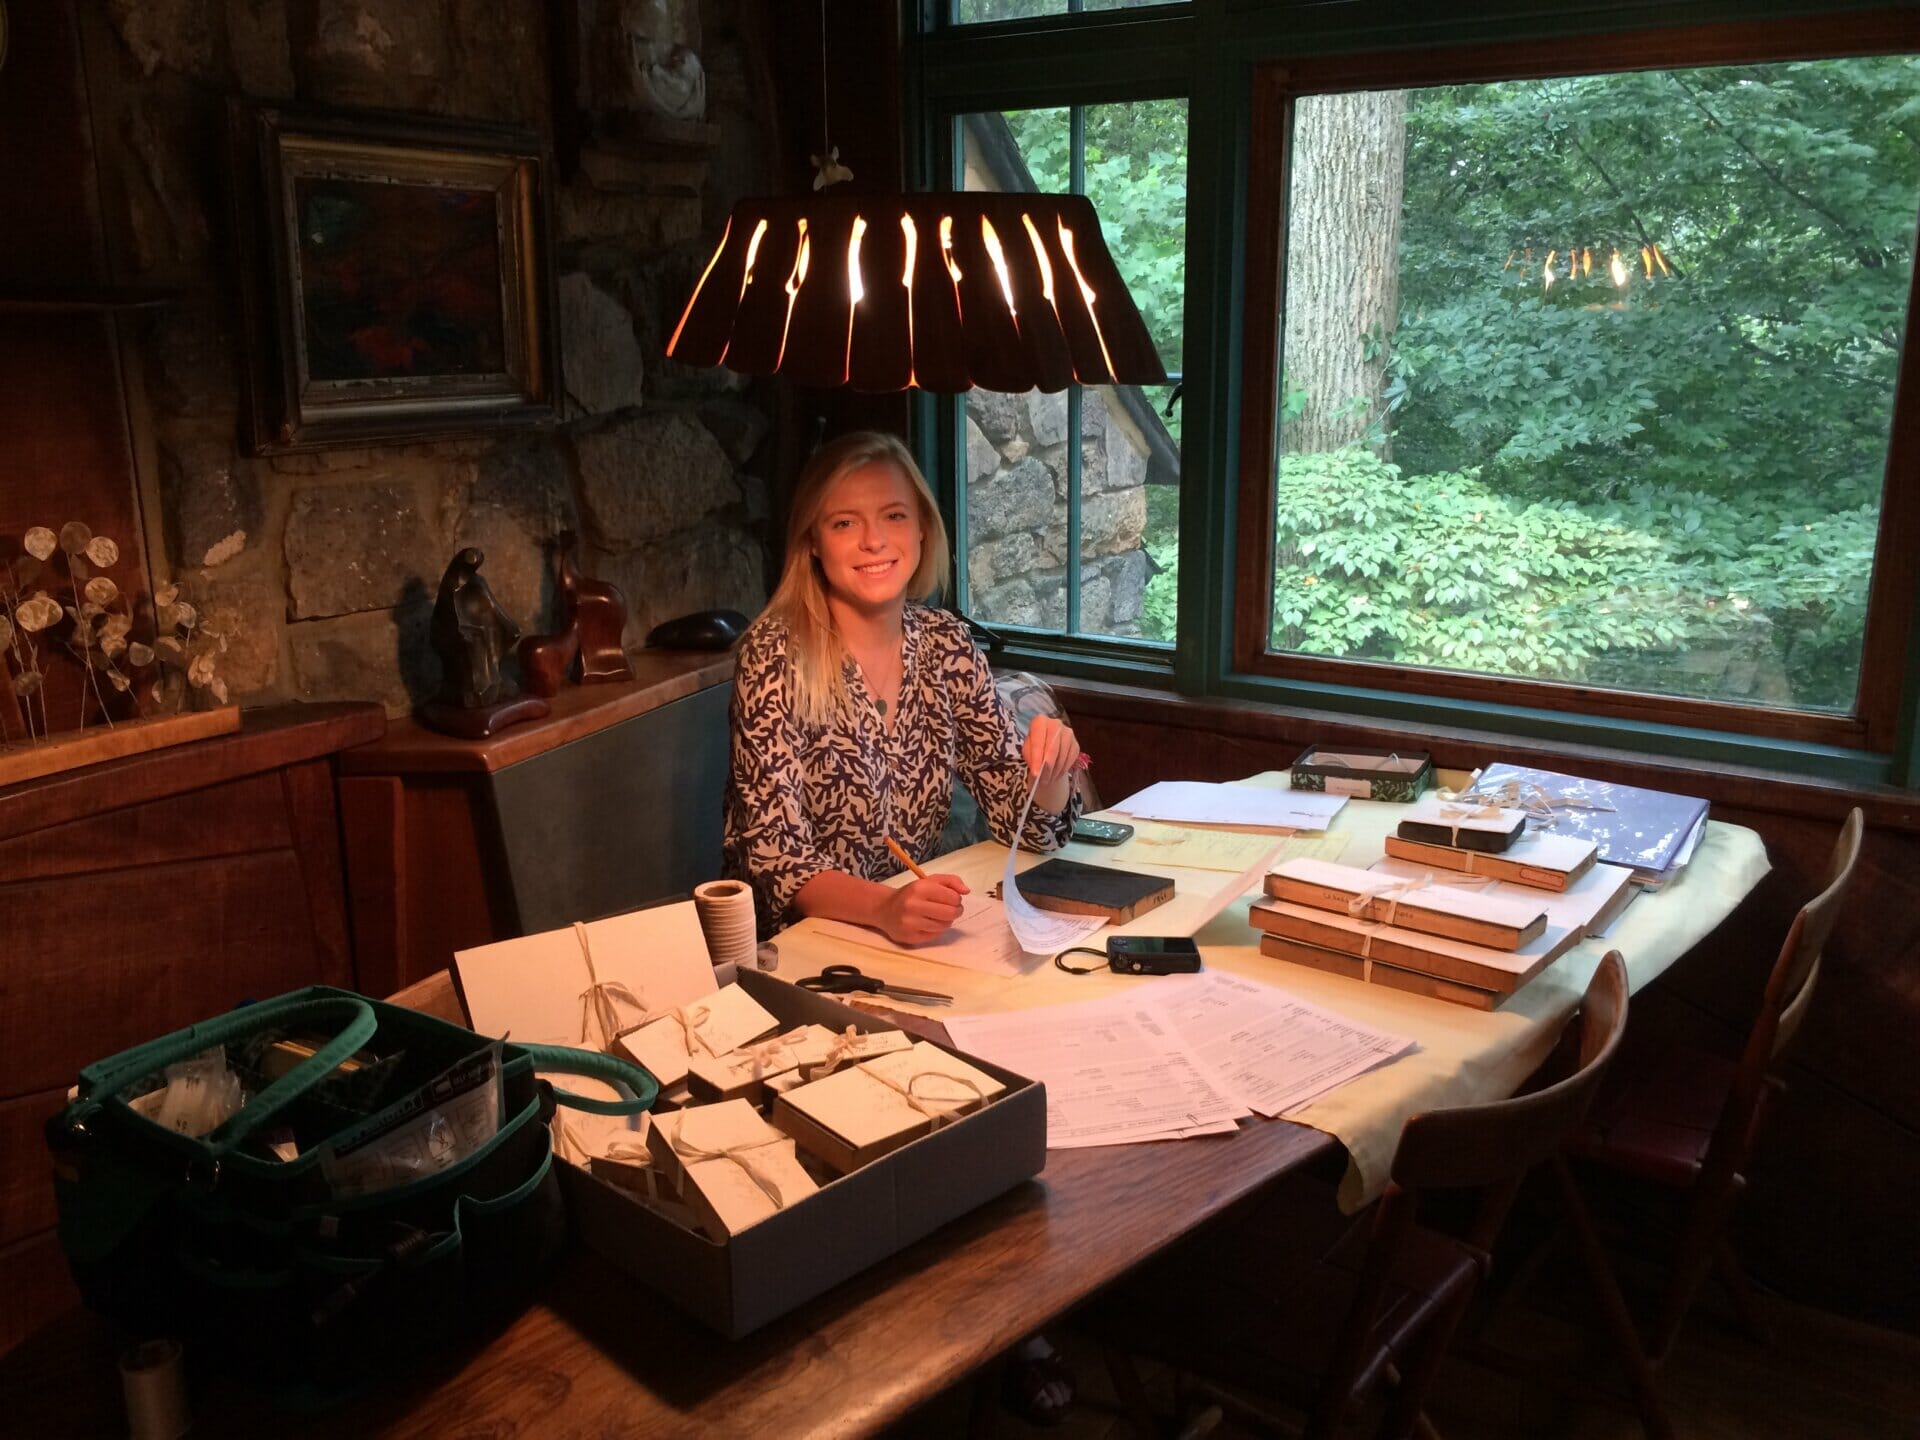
{"type": "Point", "coordinates": [1210, 52]}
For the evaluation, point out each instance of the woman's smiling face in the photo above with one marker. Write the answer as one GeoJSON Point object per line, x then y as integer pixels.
{"type": "Point", "coordinates": [868, 537]}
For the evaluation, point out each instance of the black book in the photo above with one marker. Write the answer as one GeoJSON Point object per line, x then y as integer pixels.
{"type": "Point", "coordinates": [1071, 888]}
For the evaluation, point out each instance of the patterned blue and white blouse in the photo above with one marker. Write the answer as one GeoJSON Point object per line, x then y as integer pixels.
{"type": "Point", "coordinates": [805, 799]}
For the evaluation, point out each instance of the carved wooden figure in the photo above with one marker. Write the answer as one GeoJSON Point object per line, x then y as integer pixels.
{"type": "Point", "coordinates": [599, 614]}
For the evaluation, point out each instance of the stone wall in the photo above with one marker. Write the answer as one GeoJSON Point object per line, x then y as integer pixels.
{"type": "Point", "coordinates": [1017, 480]}
{"type": "Point", "coordinates": [318, 570]}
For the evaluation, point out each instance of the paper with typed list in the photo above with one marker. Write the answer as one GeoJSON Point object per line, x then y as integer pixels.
{"type": "Point", "coordinates": [1175, 1056]}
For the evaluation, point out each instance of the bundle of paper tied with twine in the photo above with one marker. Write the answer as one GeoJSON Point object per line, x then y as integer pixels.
{"type": "Point", "coordinates": [1458, 813]}
{"type": "Point", "coordinates": [1393, 892]}
{"type": "Point", "coordinates": [844, 1047]}
{"type": "Point", "coordinates": [941, 1110]}
{"type": "Point", "coordinates": [601, 1023]}
{"type": "Point", "coordinates": [741, 1155]}
{"type": "Point", "coordinates": [600, 1006]}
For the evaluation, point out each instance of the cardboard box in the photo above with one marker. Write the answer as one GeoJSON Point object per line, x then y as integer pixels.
{"type": "Point", "coordinates": [856, 1221]}
{"type": "Point", "coordinates": [1362, 773]}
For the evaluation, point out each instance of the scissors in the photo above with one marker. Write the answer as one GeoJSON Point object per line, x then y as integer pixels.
{"type": "Point", "coordinates": [840, 979]}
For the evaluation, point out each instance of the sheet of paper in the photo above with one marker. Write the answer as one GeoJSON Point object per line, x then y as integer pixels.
{"type": "Point", "coordinates": [1114, 1073]}
{"type": "Point", "coordinates": [1312, 847]}
{"type": "Point", "coordinates": [531, 986]}
{"type": "Point", "coordinates": [1271, 1051]}
{"type": "Point", "coordinates": [1037, 931]}
{"type": "Point", "coordinates": [1193, 849]}
{"type": "Point", "coordinates": [1250, 878]}
{"type": "Point", "coordinates": [1198, 802]}
{"type": "Point", "coordinates": [979, 940]}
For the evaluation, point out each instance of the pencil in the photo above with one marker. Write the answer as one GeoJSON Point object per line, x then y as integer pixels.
{"type": "Point", "coordinates": [902, 856]}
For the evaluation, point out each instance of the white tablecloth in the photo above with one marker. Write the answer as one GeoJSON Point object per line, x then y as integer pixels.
{"type": "Point", "coordinates": [1465, 1056]}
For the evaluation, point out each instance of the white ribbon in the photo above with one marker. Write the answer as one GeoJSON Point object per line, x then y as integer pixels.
{"type": "Point", "coordinates": [845, 1046]}
{"type": "Point", "coordinates": [923, 1102]}
{"type": "Point", "coordinates": [602, 999]}
{"type": "Point", "coordinates": [739, 1155]}
{"type": "Point", "coordinates": [1392, 891]}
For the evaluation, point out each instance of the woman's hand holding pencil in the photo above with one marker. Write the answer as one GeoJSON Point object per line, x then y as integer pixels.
{"type": "Point", "coordinates": [924, 909]}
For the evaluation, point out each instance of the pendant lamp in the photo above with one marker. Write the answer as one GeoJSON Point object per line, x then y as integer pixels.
{"type": "Point", "coordinates": [939, 291]}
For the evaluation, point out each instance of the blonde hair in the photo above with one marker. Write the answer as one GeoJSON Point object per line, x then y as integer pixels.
{"type": "Point", "coordinates": [815, 651]}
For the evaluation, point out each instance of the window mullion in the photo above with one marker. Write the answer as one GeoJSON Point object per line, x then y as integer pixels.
{"type": "Point", "coordinates": [1077, 183]}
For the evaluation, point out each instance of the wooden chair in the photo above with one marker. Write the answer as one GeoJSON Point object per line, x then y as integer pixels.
{"type": "Point", "coordinates": [1258, 1303]}
{"type": "Point", "coordinates": [1687, 1120]}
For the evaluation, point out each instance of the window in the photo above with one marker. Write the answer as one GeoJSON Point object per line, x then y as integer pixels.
{"type": "Point", "coordinates": [1583, 387]}
{"type": "Point", "coordinates": [1549, 384]}
{"type": "Point", "coordinates": [1091, 473]}
{"type": "Point", "coordinates": [981, 12]}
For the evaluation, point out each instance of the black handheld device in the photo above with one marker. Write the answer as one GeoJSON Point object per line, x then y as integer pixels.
{"type": "Point", "coordinates": [1102, 832]}
{"type": "Point", "coordinates": [1152, 955]}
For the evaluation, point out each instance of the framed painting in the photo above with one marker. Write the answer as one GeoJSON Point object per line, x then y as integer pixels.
{"type": "Point", "coordinates": [396, 273]}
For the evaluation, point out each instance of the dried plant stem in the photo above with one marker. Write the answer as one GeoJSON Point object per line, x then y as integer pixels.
{"type": "Point", "coordinates": [29, 662]}
{"type": "Point", "coordinates": [86, 656]}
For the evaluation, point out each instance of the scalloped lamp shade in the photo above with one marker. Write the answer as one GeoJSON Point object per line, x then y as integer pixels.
{"type": "Point", "coordinates": [943, 292]}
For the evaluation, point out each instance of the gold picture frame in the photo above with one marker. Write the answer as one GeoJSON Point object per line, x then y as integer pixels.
{"type": "Point", "coordinates": [396, 277]}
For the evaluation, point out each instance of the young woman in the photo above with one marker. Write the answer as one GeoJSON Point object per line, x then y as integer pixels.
{"type": "Point", "coordinates": [854, 706]}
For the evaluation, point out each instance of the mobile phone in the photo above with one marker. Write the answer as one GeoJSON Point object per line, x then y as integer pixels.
{"type": "Point", "coordinates": [1102, 832]}
{"type": "Point", "coordinates": [1152, 955]}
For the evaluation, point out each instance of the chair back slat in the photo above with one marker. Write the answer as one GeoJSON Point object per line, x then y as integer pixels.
{"type": "Point", "coordinates": [1796, 1010]}
{"type": "Point", "coordinates": [1475, 1146]}
{"type": "Point", "coordinates": [1792, 978]}
{"type": "Point", "coordinates": [1788, 996]}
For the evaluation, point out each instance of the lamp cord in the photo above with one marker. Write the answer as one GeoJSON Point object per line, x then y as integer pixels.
{"type": "Point", "coordinates": [826, 119]}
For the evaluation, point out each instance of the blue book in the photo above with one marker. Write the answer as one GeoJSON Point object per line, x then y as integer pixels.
{"type": "Point", "coordinates": [1645, 829]}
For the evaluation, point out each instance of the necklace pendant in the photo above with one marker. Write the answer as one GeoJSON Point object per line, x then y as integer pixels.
{"type": "Point", "coordinates": [881, 706]}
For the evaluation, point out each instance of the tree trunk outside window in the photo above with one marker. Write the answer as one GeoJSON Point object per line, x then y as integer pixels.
{"type": "Point", "coordinates": [1343, 262]}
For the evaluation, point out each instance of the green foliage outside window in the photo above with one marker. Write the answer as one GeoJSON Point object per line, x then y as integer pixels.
{"type": "Point", "coordinates": [1709, 446]}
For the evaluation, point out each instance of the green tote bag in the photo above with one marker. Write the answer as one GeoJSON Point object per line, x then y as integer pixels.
{"type": "Point", "coordinates": [277, 1243]}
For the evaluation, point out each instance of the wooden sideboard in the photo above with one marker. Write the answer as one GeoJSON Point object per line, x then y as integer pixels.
{"type": "Point", "coordinates": [611, 800]}
{"type": "Point", "coordinates": [141, 895]}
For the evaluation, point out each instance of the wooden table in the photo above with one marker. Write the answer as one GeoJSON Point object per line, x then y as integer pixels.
{"type": "Point", "coordinates": [601, 1355]}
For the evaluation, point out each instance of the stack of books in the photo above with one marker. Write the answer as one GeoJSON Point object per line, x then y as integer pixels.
{"type": "Point", "coordinates": [1490, 841]}
{"type": "Point", "coordinates": [1652, 832]}
{"type": "Point", "coordinates": [1413, 933]}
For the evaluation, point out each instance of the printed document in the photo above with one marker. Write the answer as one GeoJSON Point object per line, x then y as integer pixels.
{"type": "Point", "coordinates": [1272, 1052]}
{"type": "Point", "coordinates": [1114, 1073]}
{"type": "Point", "coordinates": [1175, 1057]}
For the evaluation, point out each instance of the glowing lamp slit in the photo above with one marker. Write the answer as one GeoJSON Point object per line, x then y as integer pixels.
{"type": "Point", "coordinates": [700, 285]}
